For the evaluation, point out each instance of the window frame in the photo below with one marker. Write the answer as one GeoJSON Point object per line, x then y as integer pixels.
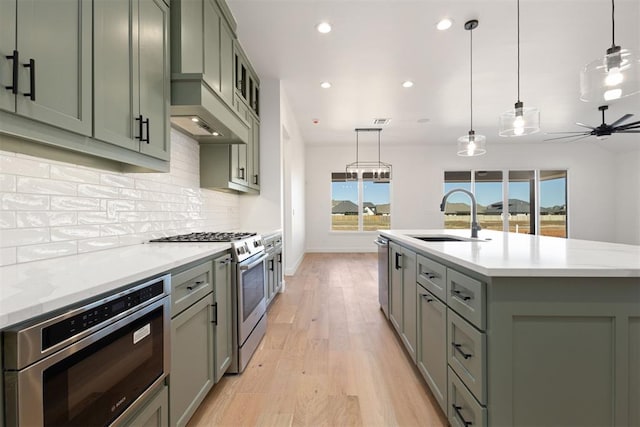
{"type": "Point", "coordinates": [360, 188]}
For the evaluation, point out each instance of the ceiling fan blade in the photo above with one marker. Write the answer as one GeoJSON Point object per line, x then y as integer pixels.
{"type": "Point", "coordinates": [629, 125]}
{"type": "Point", "coordinates": [621, 119]}
{"type": "Point", "coordinates": [579, 136]}
{"type": "Point", "coordinates": [585, 126]}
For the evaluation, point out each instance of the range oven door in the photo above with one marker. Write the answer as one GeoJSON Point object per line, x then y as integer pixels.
{"type": "Point", "coordinates": [96, 380]}
{"type": "Point", "coordinates": [251, 295]}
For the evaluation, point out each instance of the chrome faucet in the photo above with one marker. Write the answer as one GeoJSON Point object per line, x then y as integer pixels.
{"type": "Point", "coordinates": [474, 209]}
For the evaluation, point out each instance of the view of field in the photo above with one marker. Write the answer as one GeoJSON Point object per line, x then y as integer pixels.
{"type": "Point", "coordinates": [350, 222]}
{"type": "Point", "coordinates": [551, 225]}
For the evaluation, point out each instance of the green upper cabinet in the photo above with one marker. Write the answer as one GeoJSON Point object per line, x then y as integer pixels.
{"type": "Point", "coordinates": [49, 82]}
{"type": "Point", "coordinates": [132, 78]}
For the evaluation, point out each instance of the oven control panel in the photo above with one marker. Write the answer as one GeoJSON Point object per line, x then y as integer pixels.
{"type": "Point", "coordinates": [87, 319]}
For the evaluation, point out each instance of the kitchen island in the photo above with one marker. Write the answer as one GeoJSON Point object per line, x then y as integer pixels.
{"type": "Point", "coordinates": [512, 329]}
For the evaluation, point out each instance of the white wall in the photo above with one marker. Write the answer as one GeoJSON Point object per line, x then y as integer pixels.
{"type": "Point", "coordinates": [418, 181]}
{"type": "Point", "coordinates": [627, 207]}
{"type": "Point", "coordinates": [50, 209]}
{"type": "Point", "coordinates": [295, 219]}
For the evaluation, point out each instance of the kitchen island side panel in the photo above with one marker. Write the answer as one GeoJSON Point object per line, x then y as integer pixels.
{"type": "Point", "coordinates": [562, 351]}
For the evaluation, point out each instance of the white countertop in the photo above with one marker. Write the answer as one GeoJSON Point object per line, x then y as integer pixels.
{"type": "Point", "coordinates": [524, 255]}
{"type": "Point", "coordinates": [31, 289]}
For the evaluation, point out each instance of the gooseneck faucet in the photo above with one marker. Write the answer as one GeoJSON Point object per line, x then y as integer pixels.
{"type": "Point", "coordinates": [474, 209]}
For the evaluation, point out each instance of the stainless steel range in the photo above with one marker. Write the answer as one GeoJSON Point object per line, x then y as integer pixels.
{"type": "Point", "coordinates": [248, 288]}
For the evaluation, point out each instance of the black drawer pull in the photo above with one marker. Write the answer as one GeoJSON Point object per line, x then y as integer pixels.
{"type": "Point", "coordinates": [431, 276]}
{"type": "Point", "coordinates": [14, 79]}
{"type": "Point", "coordinates": [270, 265]}
{"type": "Point", "coordinates": [459, 349]}
{"type": "Point", "coordinates": [459, 414]}
{"type": "Point", "coordinates": [241, 173]}
{"type": "Point", "coordinates": [398, 266]}
{"type": "Point", "coordinates": [215, 313]}
{"type": "Point", "coordinates": [461, 295]}
{"type": "Point", "coordinates": [427, 298]}
{"type": "Point", "coordinates": [255, 179]}
{"type": "Point", "coordinates": [32, 79]}
{"type": "Point", "coordinates": [197, 284]}
{"type": "Point", "coordinates": [148, 138]}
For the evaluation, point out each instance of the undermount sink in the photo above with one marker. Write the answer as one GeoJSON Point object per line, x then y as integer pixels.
{"type": "Point", "coordinates": [444, 238]}
{"type": "Point", "coordinates": [439, 239]}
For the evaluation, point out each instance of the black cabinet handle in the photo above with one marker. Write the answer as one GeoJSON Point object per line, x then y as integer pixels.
{"type": "Point", "coordinates": [255, 179]}
{"type": "Point", "coordinates": [459, 414]}
{"type": "Point", "coordinates": [140, 121]}
{"type": "Point", "coordinates": [398, 255]}
{"type": "Point", "coordinates": [280, 257]}
{"type": "Point", "coordinates": [226, 261]}
{"type": "Point", "coordinates": [32, 79]}
{"type": "Point", "coordinates": [148, 139]}
{"type": "Point", "coordinates": [461, 295]}
{"type": "Point", "coordinates": [14, 78]}
{"type": "Point", "coordinates": [431, 276]}
{"type": "Point", "coordinates": [270, 265]}
{"type": "Point", "coordinates": [241, 173]}
{"type": "Point", "coordinates": [458, 347]}
{"type": "Point", "coordinates": [215, 313]}
{"type": "Point", "coordinates": [427, 298]}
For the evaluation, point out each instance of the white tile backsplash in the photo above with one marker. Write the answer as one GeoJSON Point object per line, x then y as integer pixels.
{"type": "Point", "coordinates": [50, 209]}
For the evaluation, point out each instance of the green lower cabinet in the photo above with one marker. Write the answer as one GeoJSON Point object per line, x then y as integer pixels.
{"type": "Point", "coordinates": [154, 414]}
{"type": "Point", "coordinates": [192, 360]}
{"type": "Point", "coordinates": [223, 321]}
{"type": "Point", "coordinates": [431, 352]}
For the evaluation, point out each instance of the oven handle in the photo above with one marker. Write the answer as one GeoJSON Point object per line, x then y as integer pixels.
{"type": "Point", "coordinates": [253, 264]}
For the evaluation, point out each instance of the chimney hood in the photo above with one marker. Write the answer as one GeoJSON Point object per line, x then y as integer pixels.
{"type": "Point", "coordinates": [201, 113]}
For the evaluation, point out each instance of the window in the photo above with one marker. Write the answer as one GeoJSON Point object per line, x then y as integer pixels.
{"type": "Point", "coordinates": [360, 205]}
{"type": "Point", "coordinates": [536, 200]}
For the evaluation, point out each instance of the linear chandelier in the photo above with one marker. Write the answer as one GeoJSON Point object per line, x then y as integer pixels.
{"type": "Point", "coordinates": [379, 171]}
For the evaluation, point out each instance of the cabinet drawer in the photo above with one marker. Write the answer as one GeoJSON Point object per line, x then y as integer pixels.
{"type": "Point", "coordinates": [466, 296]}
{"type": "Point", "coordinates": [433, 276]}
{"type": "Point", "coordinates": [189, 286]}
{"type": "Point", "coordinates": [466, 354]}
{"type": "Point", "coordinates": [463, 408]}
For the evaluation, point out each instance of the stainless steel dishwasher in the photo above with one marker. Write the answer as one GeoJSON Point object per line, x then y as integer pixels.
{"type": "Point", "coordinates": [383, 273]}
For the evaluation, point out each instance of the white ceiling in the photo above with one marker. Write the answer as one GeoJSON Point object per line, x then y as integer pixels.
{"type": "Point", "coordinates": [375, 45]}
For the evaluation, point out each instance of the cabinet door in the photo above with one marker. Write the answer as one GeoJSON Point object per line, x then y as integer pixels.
{"type": "Point", "coordinates": [224, 322]}
{"type": "Point", "coordinates": [55, 38]}
{"type": "Point", "coordinates": [192, 360]}
{"type": "Point", "coordinates": [239, 164]}
{"type": "Point", "coordinates": [395, 286]}
{"type": "Point", "coordinates": [211, 72]}
{"type": "Point", "coordinates": [154, 95]}
{"type": "Point", "coordinates": [114, 85]}
{"type": "Point", "coordinates": [7, 46]}
{"type": "Point", "coordinates": [432, 344]}
{"type": "Point", "coordinates": [409, 306]}
{"type": "Point", "coordinates": [226, 63]}
{"type": "Point", "coordinates": [254, 159]}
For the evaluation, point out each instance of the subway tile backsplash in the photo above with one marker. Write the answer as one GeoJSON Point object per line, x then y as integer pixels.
{"type": "Point", "coordinates": [51, 209]}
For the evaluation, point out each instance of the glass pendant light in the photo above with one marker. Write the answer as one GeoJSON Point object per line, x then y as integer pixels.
{"type": "Point", "coordinates": [520, 120]}
{"type": "Point", "coordinates": [615, 76]}
{"type": "Point", "coordinates": [471, 144]}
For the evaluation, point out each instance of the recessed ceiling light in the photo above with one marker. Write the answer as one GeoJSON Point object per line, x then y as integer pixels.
{"type": "Point", "coordinates": [444, 24]}
{"type": "Point", "coordinates": [408, 83]}
{"type": "Point", "coordinates": [325, 85]}
{"type": "Point", "coordinates": [323, 27]}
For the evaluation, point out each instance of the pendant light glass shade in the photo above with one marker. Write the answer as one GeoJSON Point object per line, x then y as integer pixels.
{"type": "Point", "coordinates": [471, 144]}
{"type": "Point", "coordinates": [614, 76]}
{"type": "Point", "coordinates": [520, 120]}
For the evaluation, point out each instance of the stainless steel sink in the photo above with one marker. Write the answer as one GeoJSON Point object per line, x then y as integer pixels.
{"type": "Point", "coordinates": [440, 239]}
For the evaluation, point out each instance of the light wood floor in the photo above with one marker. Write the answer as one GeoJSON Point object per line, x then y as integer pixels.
{"type": "Point", "coordinates": [329, 358]}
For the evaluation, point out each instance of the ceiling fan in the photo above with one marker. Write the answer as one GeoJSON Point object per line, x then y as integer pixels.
{"type": "Point", "coordinates": [602, 130]}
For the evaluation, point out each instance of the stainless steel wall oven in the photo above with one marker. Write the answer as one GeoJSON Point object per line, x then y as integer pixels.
{"type": "Point", "coordinates": [93, 365]}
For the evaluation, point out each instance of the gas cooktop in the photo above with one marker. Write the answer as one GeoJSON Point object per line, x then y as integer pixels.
{"type": "Point", "coordinates": [216, 236]}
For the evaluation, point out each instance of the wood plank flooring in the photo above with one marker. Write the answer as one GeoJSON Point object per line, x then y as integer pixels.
{"type": "Point", "coordinates": [329, 358]}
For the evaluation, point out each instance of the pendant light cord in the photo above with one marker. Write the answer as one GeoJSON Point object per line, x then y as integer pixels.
{"type": "Point", "coordinates": [518, 51]}
{"type": "Point", "coordinates": [613, 24]}
{"type": "Point", "coordinates": [471, 77]}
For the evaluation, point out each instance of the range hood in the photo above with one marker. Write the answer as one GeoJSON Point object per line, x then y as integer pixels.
{"type": "Point", "coordinates": [198, 111]}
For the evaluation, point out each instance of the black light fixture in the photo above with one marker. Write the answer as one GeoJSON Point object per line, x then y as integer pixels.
{"type": "Point", "coordinates": [471, 144]}
{"type": "Point", "coordinates": [615, 76]}
{"type": "Point", "coordinates": [520, 120]}
{"type": "Point", "coordinates": [378, 170]}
